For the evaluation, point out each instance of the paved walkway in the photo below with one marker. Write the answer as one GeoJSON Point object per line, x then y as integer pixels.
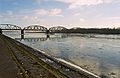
{"type": "Point", "coordinates": [8, 68]}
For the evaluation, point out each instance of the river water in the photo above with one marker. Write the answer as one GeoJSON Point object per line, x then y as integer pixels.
{"type": "Point", "coordinates": [99, 54]}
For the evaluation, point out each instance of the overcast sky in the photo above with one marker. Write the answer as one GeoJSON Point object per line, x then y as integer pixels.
{"type": "Point", "coordinates": [68, 13]}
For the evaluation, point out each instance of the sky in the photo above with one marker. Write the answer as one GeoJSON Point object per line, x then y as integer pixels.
{"type": "Point", "coordinates": [67, 13]}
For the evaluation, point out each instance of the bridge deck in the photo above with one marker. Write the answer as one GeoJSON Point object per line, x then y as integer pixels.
{"type": "Point", "coordinates": [20, 61]}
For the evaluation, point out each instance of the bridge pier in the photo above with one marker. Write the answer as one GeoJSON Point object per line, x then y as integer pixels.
{"type": "Point", "coordinates": [47, 34]}
{"type": "Point", "coordinates": [22, 34]}
{"type": "Point", "coordinates": [0, 31]}
{"type": "Point", "coordinates": [47, 31]}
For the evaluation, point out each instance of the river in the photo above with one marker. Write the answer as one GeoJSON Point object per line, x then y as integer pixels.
{"type": "Point", "coordinates": [99, 54]}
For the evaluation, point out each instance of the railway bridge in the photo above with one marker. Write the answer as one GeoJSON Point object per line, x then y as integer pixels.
{"type": "Point", "coordinates": [32, 29]}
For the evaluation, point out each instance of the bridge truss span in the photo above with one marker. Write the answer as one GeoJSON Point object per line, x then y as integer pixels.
{"type": "Point", "coordinates": [57, 29]}
{"type": "Point", "coordinates": [9, 27]}
{"type": "Point", "coordinates": [36, 28]}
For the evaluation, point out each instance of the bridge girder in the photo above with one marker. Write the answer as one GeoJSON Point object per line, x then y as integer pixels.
{"type": "Point", "coordinates": [32, 28]}
{"type": "Point", "coordinates": [56, 29]}
{"type": "Point", "coordinates": [36, 28]}
{"type": "Point", "coordinates": [9, 27]}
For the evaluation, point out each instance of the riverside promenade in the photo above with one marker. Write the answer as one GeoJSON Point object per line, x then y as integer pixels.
{"type": "Point", "coordinates": [20, 61]}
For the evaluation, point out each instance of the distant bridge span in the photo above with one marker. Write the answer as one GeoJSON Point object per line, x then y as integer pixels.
{"type": "Point", "coordinates": [9, 27]}
{"type": "Point", "coordinates": [33, 28]}
{"type": "Point", "coordinates": [36, 28]}
{"type": "Point", "coordinates": [57, 29]}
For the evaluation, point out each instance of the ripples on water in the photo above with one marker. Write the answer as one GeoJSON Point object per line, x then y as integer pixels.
{"type": "Point", "coordinates": [99, 54]}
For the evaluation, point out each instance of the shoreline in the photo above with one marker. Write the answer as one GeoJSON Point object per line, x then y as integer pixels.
{"type": "Point", "coordinates": [59, 64]}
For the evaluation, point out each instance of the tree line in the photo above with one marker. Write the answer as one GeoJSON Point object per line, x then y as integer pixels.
{"type": "Point", "coordinates": [90, 31]}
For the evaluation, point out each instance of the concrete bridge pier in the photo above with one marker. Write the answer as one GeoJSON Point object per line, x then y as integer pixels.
{"type": "Point", "coordinates": [22, 34]}
{"type": "Point", "coordinates": [0, 31]}
{"type": "Point", "coordinates": [47, 34]}
{"type": "Point", "coordinates": [47, 31]}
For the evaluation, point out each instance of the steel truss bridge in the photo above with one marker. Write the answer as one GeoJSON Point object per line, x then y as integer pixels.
{"type": "Point", "coordinates": [32, 28]}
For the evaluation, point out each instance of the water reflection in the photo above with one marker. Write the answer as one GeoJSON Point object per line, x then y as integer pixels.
{"type": "Point", "coordinates": [32, 39]}
{"type": "Point", "coordinates": [38, 39]}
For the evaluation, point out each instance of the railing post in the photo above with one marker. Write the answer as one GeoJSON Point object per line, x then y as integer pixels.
{"type": "Point", "coordinates": [0, 31]}
{"type": "Point", "coordinates": [22, 34]}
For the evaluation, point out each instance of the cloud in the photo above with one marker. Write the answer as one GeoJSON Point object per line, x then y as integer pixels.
{"type": "Point", "coordinates": [76, 14]}
{"type": "Point", "coordinates": [73, 4]}
{"type": "Point", "coordinates": [55, 12]}
{"type": "Point", "coordinates": [40, 1]}
{"type": "Point", "coordinates": [82, 20]}
{"type": "Point", "coordinates": [29, 16]}
{"type": "Point", "coordinates": [42, 12]}
{"type": "Point", "coordinates": [32, 18]}
{"type": "Point", "coordinates": [79, 3]}
{"type": "Point", "coordinates": [48, 12]}
{"type": "Point", "coordinates": [9, 12]}
{"type": "Point", "coordinates": [114, 18]}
